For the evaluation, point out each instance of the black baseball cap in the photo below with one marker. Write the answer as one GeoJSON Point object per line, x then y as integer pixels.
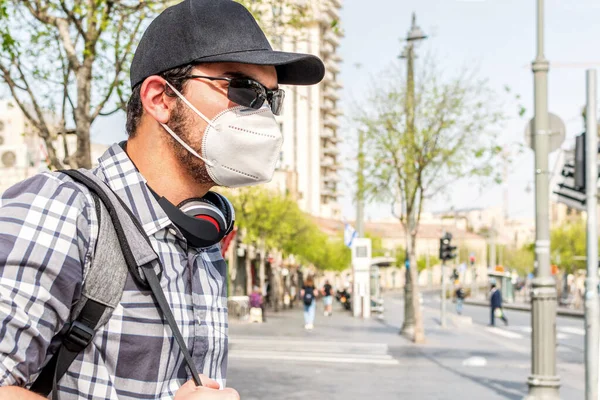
{"type": "Point", "coordinates": [211, 31]}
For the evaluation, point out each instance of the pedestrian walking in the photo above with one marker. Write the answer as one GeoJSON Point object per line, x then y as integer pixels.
{"type": "Point", "coordinates": [309, 294]}
{"type": "Point", "coordinates": [205, 93]}
{"type": "Point", "coordinates": [327, 293]}
{"type": "Point", "coordinates": [256, 305]}
{"type": "Point", "coordinates": [496, 306]}
{"type": "Point", "coordinates": [460, 298]}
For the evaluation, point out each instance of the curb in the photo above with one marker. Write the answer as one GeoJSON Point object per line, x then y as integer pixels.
{"type": "Point", "coordinates": [526, 307]}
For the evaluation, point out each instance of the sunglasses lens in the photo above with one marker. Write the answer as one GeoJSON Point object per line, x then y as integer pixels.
{"type": "Point", "coordinates": [246, 93]}
{"type": "Point", "coordinates": [277, 102]}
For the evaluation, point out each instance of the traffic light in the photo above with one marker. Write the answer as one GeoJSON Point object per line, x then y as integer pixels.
{"type": "Point", "coordinates": [579, 173]}
{"type": "Point", "coordinates": [447, 251]}
{"type": "Point", "coordinates": [572, 190]}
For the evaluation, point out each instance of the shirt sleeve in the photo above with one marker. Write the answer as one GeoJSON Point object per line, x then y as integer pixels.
{"type": "Point", "coordinates": [45, 231]}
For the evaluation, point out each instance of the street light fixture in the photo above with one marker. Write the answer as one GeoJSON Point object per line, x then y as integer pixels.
{"type": "Point", "coordinates": [414, 36]}
{"type": "Point", "coordinates": [415, 33]}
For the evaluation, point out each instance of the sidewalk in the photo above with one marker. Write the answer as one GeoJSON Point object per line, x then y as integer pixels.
{"type": "Point", "coordinates": [353, 358]}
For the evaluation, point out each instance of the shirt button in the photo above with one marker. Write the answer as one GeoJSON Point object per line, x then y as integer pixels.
{"type": "Point", "coordinates": [172, 232]}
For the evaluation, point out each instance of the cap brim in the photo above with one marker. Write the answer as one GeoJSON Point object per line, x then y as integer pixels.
{"type": "Point", "coordinates": [292, 68]}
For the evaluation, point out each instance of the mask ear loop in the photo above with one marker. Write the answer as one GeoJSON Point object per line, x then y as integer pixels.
{"type": "Point", "coordinates": [176, 137]}
{"type": "Point", "coordinates": [190, 105]}
{"type": "Point", "coordinates": [187, 147]}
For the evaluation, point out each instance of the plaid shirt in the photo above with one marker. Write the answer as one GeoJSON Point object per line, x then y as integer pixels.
{"type": "Point", "coordinates": [48, 231]}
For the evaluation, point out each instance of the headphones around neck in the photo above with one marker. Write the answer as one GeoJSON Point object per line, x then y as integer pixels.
{"type": "Point", "coordinates": [203, 221]}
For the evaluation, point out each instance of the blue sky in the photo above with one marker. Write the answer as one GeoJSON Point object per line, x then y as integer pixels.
{"type": "Point", "coordinates": [495, 36]}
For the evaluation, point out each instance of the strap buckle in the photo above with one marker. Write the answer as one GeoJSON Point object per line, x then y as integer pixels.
{"type": "Point", "coordinates": [78, 337]}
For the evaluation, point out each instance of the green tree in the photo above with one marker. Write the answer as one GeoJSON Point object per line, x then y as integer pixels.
{"type": "Point", "coordinates": [377, 249]}
{"type": "Point", "coordinates": [66, 62]}
{"type": "Point", "coordinates": [274, 221]}
{"type": "Point", "coordinates": [568, 246]}
{"type": "Point", "coordinates": [422, 262]}
{"type": "Point", "coordinates": [520, 259]}
{"type": "Point", "coordinates": [411, 157]}
{"type": "Point", "coordinates": [400, 256]}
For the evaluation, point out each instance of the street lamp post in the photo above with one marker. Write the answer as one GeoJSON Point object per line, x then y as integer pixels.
{"type": "Point", "coordinates": [415, 35]}
{"type": "Point", "coordinates": [543, 381]}
{"type": "Point", "coordinates": [360, 195]}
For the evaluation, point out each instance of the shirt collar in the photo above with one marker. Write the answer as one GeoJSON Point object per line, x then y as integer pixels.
{"type": "Point", "coordinates": [120, 174]}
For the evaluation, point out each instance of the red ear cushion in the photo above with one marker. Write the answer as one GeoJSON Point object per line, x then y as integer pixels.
{"type": "Point", "coordinates": [209, 219]}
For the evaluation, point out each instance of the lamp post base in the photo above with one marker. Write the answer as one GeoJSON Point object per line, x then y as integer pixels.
{"type": "Point", "coordinates": [543, 387]}
{"type": "Point", "coordinates": [543, 381]}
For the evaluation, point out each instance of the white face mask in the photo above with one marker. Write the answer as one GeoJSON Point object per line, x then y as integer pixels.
{"type": "Point", "coordinates": [240, 146]}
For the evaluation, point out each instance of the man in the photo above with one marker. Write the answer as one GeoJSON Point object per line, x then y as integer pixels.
{"type": "Point", "coordinates": [496, 306]}
{"type": "Point", "coordinates": [460, 298]}
{"type": "Point", "coordinates": [327, 298]}
{"type": "Point", "coordinates": [204, 90]}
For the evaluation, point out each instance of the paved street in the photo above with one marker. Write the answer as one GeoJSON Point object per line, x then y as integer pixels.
{"type": "Point", "coordinates": [353, 359]}
{"type": "Point", "coordinates": [570, 330]}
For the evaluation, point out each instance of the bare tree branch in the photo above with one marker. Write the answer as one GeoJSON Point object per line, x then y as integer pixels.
{"type": "Point", "coordinates": [119, 65]}
{"type": "Point", "coordinates": [72, 17]}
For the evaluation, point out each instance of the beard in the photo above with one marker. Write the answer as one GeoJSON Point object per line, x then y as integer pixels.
{"type": "Point", "coordinates": [184, 125]}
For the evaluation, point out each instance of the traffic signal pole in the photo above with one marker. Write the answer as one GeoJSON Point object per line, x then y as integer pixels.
{"type": "Point", "coordinates": [592, 327]}
{"type": "Point", "coordinates": [443, 302]}
{"type": "Point", "coordinates": [446, 253]}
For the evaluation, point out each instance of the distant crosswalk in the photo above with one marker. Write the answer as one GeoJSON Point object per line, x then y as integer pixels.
{"type": "Point", "coordinates": [519, 332]}
{"type": "Point", "coordinates": [311, 351]}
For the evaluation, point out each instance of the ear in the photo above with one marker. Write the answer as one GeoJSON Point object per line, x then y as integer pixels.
{"type": "Point", "coordinates": [155, 100]}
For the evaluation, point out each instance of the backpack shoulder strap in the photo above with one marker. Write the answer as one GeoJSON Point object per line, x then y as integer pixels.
{"type": "Point", "coordinates": [101, 293]}
{"type": "Point", "coordinates": [125, 249]}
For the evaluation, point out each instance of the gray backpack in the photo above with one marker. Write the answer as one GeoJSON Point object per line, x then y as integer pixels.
{"type": "Point", "coordinates": [122, 248]}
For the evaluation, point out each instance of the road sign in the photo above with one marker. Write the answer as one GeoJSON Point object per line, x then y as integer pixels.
{"type": "Point", "coordinates": [557, 132]}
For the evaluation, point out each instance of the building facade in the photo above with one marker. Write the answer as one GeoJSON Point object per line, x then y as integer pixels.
{"type": "Point", "coordinates": [310, 160]}
{"type": "Point", "coordinates": [22, 151]}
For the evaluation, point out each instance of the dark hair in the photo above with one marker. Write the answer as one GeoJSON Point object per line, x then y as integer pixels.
{"type": "Point", "coordinates": [135, 110]}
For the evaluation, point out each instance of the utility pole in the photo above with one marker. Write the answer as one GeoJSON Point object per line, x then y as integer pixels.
{"type": "Point", "coordinates": [443, 298]}
{"type": "Point", "coordinates": [414, 36]}
{"type": "Point", "coordinates": [592, 327]}
{"type": "Point", "coordinates": [543, 381]}
{"type": "Point", "coordinates": [360, 183]}
{"type": "Point", "coordinates": [493, 245]}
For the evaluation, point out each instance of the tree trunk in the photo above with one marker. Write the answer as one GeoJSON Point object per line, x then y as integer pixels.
{"type": "Point", "coordinates": [419, 331]}
{"type": "Point", "coordinates": [248, 263]}
{"type": "Point", "coordinates": [53, 161]}
{"type": "Point", "coordinates": [408, 326]}
{"type": "Point", "coordinates": [261, 268]}
{"type": "Point", "coordinates": [82, 114]}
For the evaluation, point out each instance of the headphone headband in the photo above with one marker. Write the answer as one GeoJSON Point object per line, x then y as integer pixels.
{"type": "Point", "coordinates": [203, 221]}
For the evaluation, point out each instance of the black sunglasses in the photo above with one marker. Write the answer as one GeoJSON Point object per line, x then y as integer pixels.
{"type": "Point", "coordinates": [249, 93]}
